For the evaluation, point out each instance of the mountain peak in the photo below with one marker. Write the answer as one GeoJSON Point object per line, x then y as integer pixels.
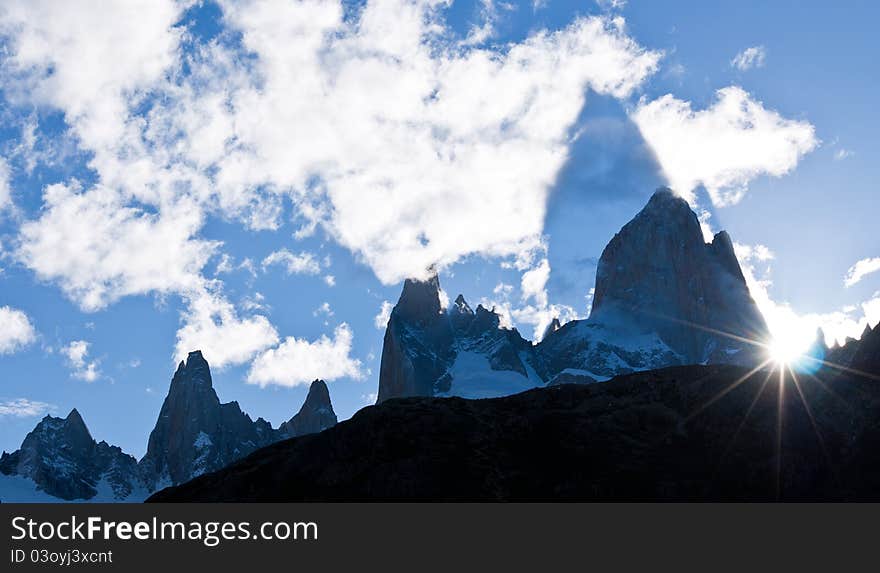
{"type": "Point", "coordinates": [658, 274]}
{"type": "Point", "coordinates": [420, 300]}
{"type": "Point", "coordinates": [461, 306]}
{"type": "Point", "coordinates": [665, 199]}
{"type": "Point", "coordinates": [318, 394]}
{"type": "Point", "coordinates": [315, 415]}
{"type": "Point", "coordinates": [722, 249]}
{"type": "Point", "coordinates": [194, 371]}
{"type": "Point", "coordinates": [75, 421]}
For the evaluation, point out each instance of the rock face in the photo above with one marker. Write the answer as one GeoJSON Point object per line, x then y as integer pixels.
{"type": "Point", "coordinates": [649, 436]}
{"type": "Point", "coordinates": [663, 297]}
{"type": "Point", "coordinates": [194, 434]}
{"type": "Point", "coordinates": [658, 275]}
{"type": "Point", "coordinates": [316, 414]}
{"type": "Point", "coordinates": [62, 459]}
{"type": "Point", "coordinates": [432, 351]}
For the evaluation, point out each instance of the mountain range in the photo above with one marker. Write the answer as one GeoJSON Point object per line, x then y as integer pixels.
{"type": "Point", "coordinates": [684, 433]}
{"type": "Point", "coordinates": [722, 432]}
{"type": "Point", "coordinates": [663, 297]}
{"type": "Point", "coordinates": [195, 434]}
{"type": "Point", "coordinates": [600, 408]}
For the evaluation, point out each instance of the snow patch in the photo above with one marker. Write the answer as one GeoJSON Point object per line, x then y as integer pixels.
{"type": "Point", "coordinates": [473, 377]}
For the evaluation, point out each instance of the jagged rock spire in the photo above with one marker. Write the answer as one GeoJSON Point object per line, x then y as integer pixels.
{"type": "Point", "coordinates": [315, 415]}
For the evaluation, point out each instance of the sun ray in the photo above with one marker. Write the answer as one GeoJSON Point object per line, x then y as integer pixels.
{"type": "Point", "coordinates": [728, 389]}
{"type": "Point", "coordinates": [812, 419]}
{"type": "Point", "coordinates": [821, 383]}
{"type": "Point", "coordinates": [748, 413]}
{"type": "Point", "coordinates": [780, 404]}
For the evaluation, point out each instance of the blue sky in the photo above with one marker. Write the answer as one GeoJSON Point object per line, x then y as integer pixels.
{"type": "Point", "coordinates": [256, 179]}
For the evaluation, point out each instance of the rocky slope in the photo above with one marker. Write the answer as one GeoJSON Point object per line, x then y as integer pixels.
{"type": "Point", "coordinates": [195, 433]}
{"type": "Point", "coordinates": [682, 433]}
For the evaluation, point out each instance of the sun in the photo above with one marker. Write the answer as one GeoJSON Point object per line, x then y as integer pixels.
{"type": "Point", "coordinates": [790, 341]}
{"type": "Point", "coordinates": [784, 351]}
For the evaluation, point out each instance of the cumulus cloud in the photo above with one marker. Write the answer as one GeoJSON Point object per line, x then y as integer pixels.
{"type": "Point", "coordinates": [212, 324]}
{"type": "Point", "coordinates": [16, 330]}
{"type": "Point", "coordinates": [343, 114]}
{"type": "Point", "coordinates": [363, 111]}
{"type": "Point", "coordinates": [724, 146]}
{"type": "Point", "coordinates": [82, 368]}
{"type": "Point", "coordinates": [87, 61]}
{"type": "Point", "coordinates": [861, 269]}
{"type": "Point", "coordinates": [99, 250]}
{"type": "Point", "coordinates": [303, 263]}
{"type": "Point", "coordinates": [298, 361]}
{"type": "Point", "coordinates": [24, 408]}
{"type": "Point", "coordinates": [749, 58]}
{"type": "Point", "coordinates": [381, 319]}
{"type": "Point", "coordinates": [533, 308]}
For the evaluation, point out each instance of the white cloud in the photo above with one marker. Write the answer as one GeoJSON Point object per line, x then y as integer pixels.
{"type": "Point", "coordinates": [535, 308]}
{"type": "Point", "coordinates": [798, 330]}
{"type": "Point", "coordinates": [385, 103]}
{"type": "Point", "coordinates": [303, 263]}
{"type": "Point", "coordinates": [749, 58]}
{"type": "Point", "coordinates": [225, 265]}
{"type": "Point", "coordinates": [212, 325]}
{"type": "Point", "coordinates": [724, 146]}
{"type": "Point", "coordinates": [444, 298]}
{"type": "Point", "coordinates": [611, 4]}
{"type": "Point", "coordinates": [87, 60]}
{"type": "Point", "coordinates": [77, 354]}
{"type": "Point", "coordinates": [24, 408]}
{"type": "Point", "coordinates": [757, 252]}
{"type": "Point", "coordinates": [343, 115]}
{"type": "Point", "coordinates": [324, 309]}
{"type": "Point", "coordinates": [534, 283]}
{"type": "Point", "coordinates": [859, 270]}
{"type": "Point", "coordinates": [478, 34]}
{"type": "Point", "coordinates": [297, 361]}
{"type": "Point", "coordinates": [842, 154]}
{"type": "Point", "coordinates": [100, 250]}
{"type": "Point", "coordinates": [5, 189]}
{"type": "Point", "coordinates": [16, 330]}
{"type": "Point", "coordinates": [330, 280]}
{"type": "Point", "coordinates": [381, 319]}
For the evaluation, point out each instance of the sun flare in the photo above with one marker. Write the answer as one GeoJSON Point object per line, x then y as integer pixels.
{"type": "Point", "coordinates": [785, 351]}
